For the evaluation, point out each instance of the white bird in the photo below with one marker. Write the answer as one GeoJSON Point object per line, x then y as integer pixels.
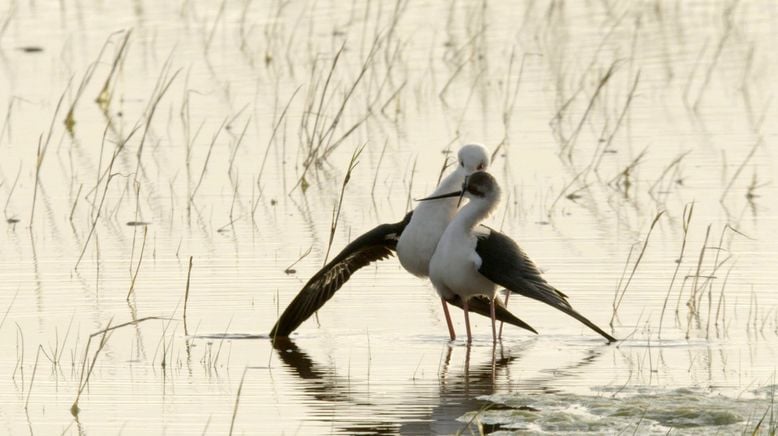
{"type": "Point", "coordinates": [414, 238]}
{"type": "Point", "coordinates": [472, 260]}
{"type": "Point", "coordinates": [429, 220]}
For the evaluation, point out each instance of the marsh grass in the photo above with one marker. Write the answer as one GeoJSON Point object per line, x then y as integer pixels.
{"type": "Point", "coordinates": [237, 400]}
{"type": "Point", "coordinates": [41, 152]}
{"type": "Point", "coordinates": [161, 87]}
{"type": "Point", "coordinates": [619, 296]}
{"type": "Point", "coordinates": [108, 175]}
{"type": "Point", "coordinates": [740, 168]}
{"type": "Point", "coordinates": [32, 378]}
{"type": "Point", "coordinates": [105, 96]}
{"type": "Point", "coordinates": [336, 210]}
{"type": "Point", "coordinates": [75, 202]}
{"type": "Point", "coordinates": [688, 210]}
{"type": "Point", "coordinates": [186, 293]}
{"type": "Point", "coordinates": [8, 310]}
{"type": "Point", "coordinates": [140, 261]}
{"type": "Point", "coordinates": [70, 119]}
{"type": "Point", "coordinates": [378, 169]}
{"type": "Point", "coordinates": [321, 141]}
{"type": "Point", "coordinates": [290, 269]}
{"type": "Point", "coordinates": [657, 188]}
{"type": "Point", "coordinates": [11, 219]}
{"type": "Point", "coordinates": [86, 371]}
{"type": "Point", "coordinates": [207, 159]}
{"type": "Point", "coordinates": [273, 134]}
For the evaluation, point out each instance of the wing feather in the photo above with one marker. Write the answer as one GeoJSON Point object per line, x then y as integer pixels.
{"type": "Point", "coordinates": [509, 266]}
{"type": "Point", "coordinates": [377, 244]}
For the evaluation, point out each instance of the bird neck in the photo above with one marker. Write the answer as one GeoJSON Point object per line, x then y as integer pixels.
{"type": "Point", "coordinates": [451, 182]}
{"type": "Point", "coordinates": [445, 206]}
{"type": "Point", "coordinates": [471, 214]}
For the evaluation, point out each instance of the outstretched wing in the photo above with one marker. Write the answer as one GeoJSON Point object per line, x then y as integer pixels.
{"type": "Point", "coordinates": [377, 244]}
{"type": "Point", "coordinates": [507, 265]}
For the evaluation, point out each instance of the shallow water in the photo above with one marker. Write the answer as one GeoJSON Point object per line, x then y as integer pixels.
{"type": "Point", "coordinates": [219, 171]}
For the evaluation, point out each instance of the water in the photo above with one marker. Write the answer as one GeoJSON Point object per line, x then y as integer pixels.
{"type": "Point", "coordinates": [224, 176]}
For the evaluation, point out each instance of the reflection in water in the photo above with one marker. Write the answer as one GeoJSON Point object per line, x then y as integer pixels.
{"type": "Point", "coordinates": [328, 389]}
{"type": "Point", "coordinates": [436, 408]}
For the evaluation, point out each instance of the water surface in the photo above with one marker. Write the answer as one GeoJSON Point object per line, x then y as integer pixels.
{"type": "Point", "coordinates": [225, 135]}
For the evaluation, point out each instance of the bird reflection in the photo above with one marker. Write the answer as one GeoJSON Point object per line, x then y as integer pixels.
{"type": "Point", "coordinates": [424, 409]}
{"type": "Point", "coordinates": [322, 381]}
{"type": "Point", "coordinates": [330, 390]}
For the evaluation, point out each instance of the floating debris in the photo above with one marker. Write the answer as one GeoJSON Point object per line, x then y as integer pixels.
{"type": "Point", "coordinates": [31, 49]}
{"type": "Point", "coordinates": [137, 223]}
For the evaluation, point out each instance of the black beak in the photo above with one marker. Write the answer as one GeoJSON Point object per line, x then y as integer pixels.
{"type": "Point", "coordinates": [437, 197]}
{"type": "Point", "coordinates": [460, 194]}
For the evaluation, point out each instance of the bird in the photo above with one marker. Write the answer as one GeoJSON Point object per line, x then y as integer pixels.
{"type": "Point", "coordinates": [414, 238]}
{"type": "Point", "coordinates": [472, 260]}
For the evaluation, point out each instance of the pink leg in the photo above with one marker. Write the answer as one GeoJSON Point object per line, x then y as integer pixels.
{"type": "Point", "coordinates": [494, 331]}
{"type": "Point", "coordinates": [467, 321]}
{"type": "Point", "coordinates": [507, 294]}
{"type": "Point", "coordinates": [448, 320]}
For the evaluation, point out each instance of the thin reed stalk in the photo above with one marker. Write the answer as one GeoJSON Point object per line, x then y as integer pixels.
{"type": "Point", "coordinates": [740, 168]}
{"type": "Point", "coordinates": [207, 159]}
{"type": "Point", "coordinates": [42, 148]}
{"type": "Point", "coordinates": [237, 400]}
{"type": "Point", "coordinates": [140, 261]}
{"type": "Point", "coordinates": [692, 302]}
{"type": "Point", "coordinates": [336, 211]}
{"type": "Point", "coordinates": [687, 218]}
{"type": "Point", "coordinates": [86, 372]}
{"type": "Point", "coordinates": [32, 379]}
{"type": "Point", "coordinates": [103, 99]}
{"type": "Point", "coordinates": [75, 202]}
{"type": "Point", "coordinates": [568, 144]}
{"type": "Point", "coordinates": [186, 293]}
{"type": "Point", "coordinates": [10, 305]}
{"type": "Point", "coordinates": [110, 175]}
{"type": "Point", "coordinates": [618, 298]}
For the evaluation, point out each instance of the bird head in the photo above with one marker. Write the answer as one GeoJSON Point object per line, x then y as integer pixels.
{"type": "Point", "coordinates": [479, 185]}
{"type": "Point", "coordinates": [472, 158]}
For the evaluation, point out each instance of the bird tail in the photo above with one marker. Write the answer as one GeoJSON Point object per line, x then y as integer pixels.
{"type": "Point", "coordinates": [570, 311]}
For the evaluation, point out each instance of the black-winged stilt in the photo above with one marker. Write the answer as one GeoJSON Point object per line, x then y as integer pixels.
{"type": "Point", "coordinates": [472, 260]}
{"type": "Point", "coordinates": [414, 238]}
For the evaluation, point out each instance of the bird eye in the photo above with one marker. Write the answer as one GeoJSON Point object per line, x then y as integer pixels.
{"type": "Point", "coordinates": [481, 166]}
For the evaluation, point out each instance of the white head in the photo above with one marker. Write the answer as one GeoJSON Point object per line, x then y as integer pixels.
{"type": "Point", "coordinates": [472, 158]}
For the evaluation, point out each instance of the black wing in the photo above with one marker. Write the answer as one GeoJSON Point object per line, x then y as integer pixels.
{"type": "Point", "coordinates": [377, 244]}
{"type": "Point", "coordinates": [507, 265]}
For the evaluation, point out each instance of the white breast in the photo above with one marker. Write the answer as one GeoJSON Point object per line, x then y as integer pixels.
{"type": "Point", "coordinates": [420, 237]}
{"type": "Point", "coordinates": [455, 263]}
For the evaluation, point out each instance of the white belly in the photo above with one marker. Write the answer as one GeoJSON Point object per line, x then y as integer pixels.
{"type": "Point", "coordinates": [454, 268]}
{"type": "Point", "coordinates": [420, 237]}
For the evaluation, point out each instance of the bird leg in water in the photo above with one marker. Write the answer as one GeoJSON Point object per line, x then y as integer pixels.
{"type": "Point", "coordinates": [507, 294]}
{"type": "Point", "coordinates": [494, 331]}
{"type": "Point", "coordinates": [448, 320]}
{"type": "Point", "coordinates": [467, 321]}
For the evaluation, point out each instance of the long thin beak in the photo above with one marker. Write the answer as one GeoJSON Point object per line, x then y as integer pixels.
{"type": "Point", "coordinates": [436, 197]}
